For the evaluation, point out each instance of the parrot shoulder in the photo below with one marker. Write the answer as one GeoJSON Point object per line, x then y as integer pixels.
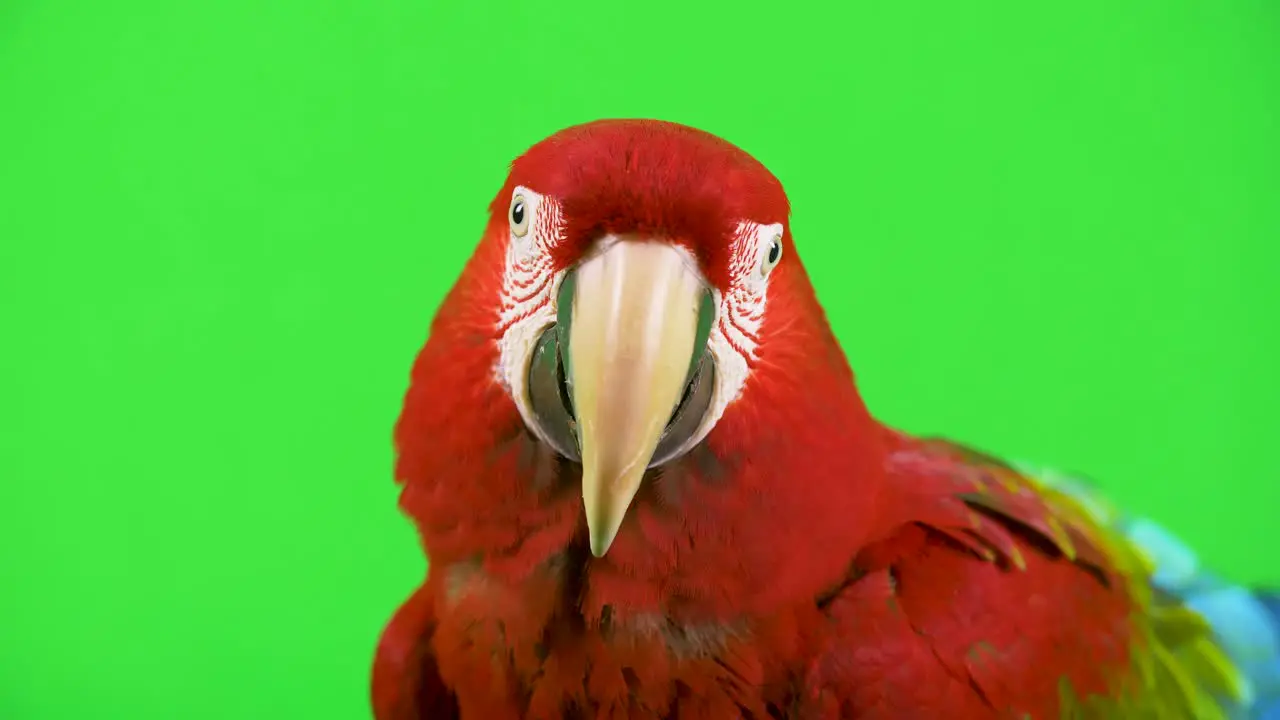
{"type": "Point", "coordinates": [994, 596]}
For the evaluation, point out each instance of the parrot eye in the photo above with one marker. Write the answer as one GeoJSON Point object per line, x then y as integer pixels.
{"type": "Point", "coordinates": [519, 216]}
{"type": "Point", "coordinates": [773, 255]}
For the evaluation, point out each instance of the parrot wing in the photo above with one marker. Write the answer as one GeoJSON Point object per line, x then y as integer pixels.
{"type": "Point", "coordinates": [1001, 596]}
{"type": "Point", "coordinates": [406, 684]}
{"type": "Point", "coordinates": [1245, 621]}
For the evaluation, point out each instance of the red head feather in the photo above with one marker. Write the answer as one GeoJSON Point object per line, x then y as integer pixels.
{"type": "Point", "coordinates": [649, 178]}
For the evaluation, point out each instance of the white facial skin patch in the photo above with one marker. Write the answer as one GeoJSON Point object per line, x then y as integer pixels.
{"type": "Point", "coordinates": [529, 297]}
{"type": "Point", "coordinates": [735, 333]}
{"type": "Point", "coordinates": [528, 293]}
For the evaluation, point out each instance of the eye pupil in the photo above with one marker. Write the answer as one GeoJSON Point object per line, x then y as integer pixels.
{"type": "Point", "coordinates": [517, 213]}
{"type": "Point", "coordinates": [775, 252]}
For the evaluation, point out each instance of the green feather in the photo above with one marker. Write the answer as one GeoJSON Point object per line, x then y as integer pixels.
{"type": "Point", "coordinates": [1178, 669]}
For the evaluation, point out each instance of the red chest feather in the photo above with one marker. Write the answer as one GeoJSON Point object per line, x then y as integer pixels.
{"type": "Point", "coordinates": [525, 652]}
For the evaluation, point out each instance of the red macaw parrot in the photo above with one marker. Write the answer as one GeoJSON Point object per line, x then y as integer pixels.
{"type": "Point", "coordinates": [648, 488]}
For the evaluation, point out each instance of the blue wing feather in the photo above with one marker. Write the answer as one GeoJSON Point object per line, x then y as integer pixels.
{"type": "Point", "coordinates": [1245, 620]}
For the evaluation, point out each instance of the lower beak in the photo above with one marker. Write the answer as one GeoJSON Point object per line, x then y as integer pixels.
{"type": "Point", "coordinates": [631, 341]}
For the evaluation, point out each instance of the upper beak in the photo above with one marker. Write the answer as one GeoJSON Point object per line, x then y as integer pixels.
{"type": "Point", "coordinates": [631, 341]}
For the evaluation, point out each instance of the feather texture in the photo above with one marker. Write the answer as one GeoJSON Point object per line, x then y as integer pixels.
{"type": "Point", "coordinates": [1019, 602]}
{"type": "Point", "coordinates": [802, 562]}
{"type": "Point", "coordinates": [1009, 593]}
{"type": "Point", "coordinates": [1244, 622]}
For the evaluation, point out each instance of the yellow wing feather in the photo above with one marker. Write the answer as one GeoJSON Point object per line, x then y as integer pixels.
{"type": "Point", "coordinates": [1179, 669]}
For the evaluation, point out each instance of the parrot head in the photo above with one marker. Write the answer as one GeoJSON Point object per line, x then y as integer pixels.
{"type": "Point", "coordinates": [637, 309]}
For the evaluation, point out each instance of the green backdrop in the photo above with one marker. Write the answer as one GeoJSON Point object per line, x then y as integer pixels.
{"type": "Point", "coordinates": [224, 227]}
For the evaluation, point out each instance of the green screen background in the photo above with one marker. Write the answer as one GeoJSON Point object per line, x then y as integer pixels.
{"type": "Point", "coordinates": [224, 227]}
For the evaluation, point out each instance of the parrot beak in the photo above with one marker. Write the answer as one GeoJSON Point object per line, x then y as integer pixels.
{"type": "Point", "coordinates": [634, 327]}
